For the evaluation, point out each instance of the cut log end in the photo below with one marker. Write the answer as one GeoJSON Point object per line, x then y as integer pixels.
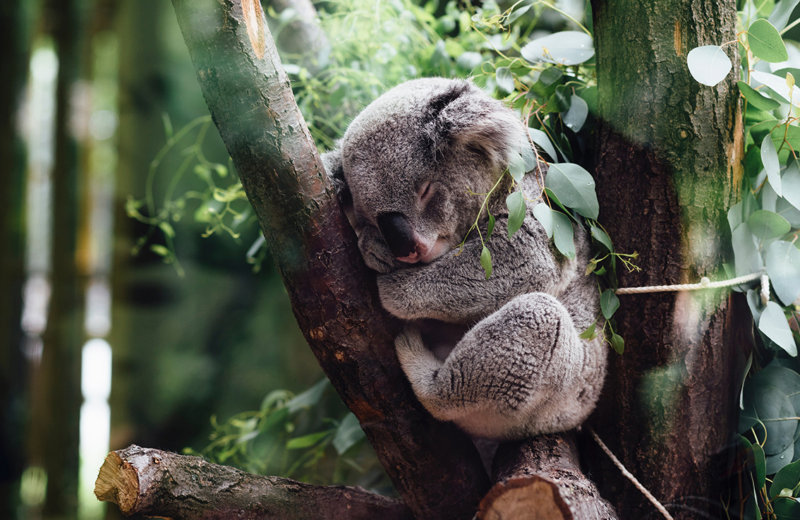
{"type": "Point", "coordinates": [533, 498]}
{"type": "Point", "coordinates": [118, 483]}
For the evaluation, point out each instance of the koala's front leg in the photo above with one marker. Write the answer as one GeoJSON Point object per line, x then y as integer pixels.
{"type": "Point", "coordinates": [521, 371]}
{"type": "Point", "coordinates": [454, 287]}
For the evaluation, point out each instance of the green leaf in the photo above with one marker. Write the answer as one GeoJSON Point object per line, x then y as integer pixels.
{"type": "Point", "coordinates": [544, 215]}
{"type": "Point", "coordinates": [790, 184]}
{"type": "Point", "coordinates": [348, 434]}
{"type": "Point", "coordinates": [708, 64]}
{"type": "Point", "coordinates": [756, 99]}
{"type": "Point", "coordinates": [609, 303]}
{"type": "Point", "coordinates": [778, 460]}
{"type": "Point", "coordinates": [306, 441]}
{"type": "Point", "coordinates": [516, 212]}
{"type": "Point", "coordinates": [167, 228]}
{"type": "Point", "coordinates": [765, 42]}
{"type": "Point", "coordinates": [783, 267]}
{"type": "Point", "coordinates": [786, 478]}
{"type": "Point", "coordinates": [486, 261]}
{"type": "Point", "coordinates": [576, 115]}
{"type": "Point", "coordinates": [786, 509]}
{"type": "Point", "coordinates": [563, 234]}
{"type": "Point", "coordinates": [564, 48]}
{"type": "Point", "coordinates": [782, 12]}
{"type": "Point", "coordinates": [769, 158]}
{"type": "Point", "coordinates": [574, 187]}
{"type": "Point", "coordinates": [735, 216]}
{"type": "Point", "coordinates": [308, 398]}
{"type": "Point", "coordinates": [159, 250]}
{"type": "Point", "coordinates": [778, 85]}
{"type": "Point", "coordinates": [760, 465]}
{"type": "Point", "coordinates": [617, 343]}
{"type": "Point", "coordinates": [589, 333]}
{"type": "Point", "coordinates": [767, 224]}
{"type": "Point", "coordinates": [490, 226]}
{"type": "Point", "coordinates": [774, 326]}
{"type": "Point", "coordinates": [516, 167]}
{"type": "Point", "coordinates": [542, 141]}
{"type": "Point", "coordinates": [504, 78]}
{"type": "Point", "coordinates": [602, 237]}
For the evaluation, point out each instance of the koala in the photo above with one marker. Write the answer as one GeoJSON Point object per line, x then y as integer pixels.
{"type": "Point", "coordinates": [412, 172]}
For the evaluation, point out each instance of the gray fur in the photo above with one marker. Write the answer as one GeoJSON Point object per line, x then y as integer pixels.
{"type": "Point", "coordinates": [520, 369]}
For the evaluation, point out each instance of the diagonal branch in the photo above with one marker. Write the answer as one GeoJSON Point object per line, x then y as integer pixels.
{"type": "Point", "coordinates": [433, 465]}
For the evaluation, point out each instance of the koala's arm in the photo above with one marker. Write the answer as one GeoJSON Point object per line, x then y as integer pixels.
{"type": "Point", "coordinates": [455, 289]}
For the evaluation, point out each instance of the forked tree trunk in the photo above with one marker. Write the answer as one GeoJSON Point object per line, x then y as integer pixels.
{"type": "Point", "coordinates": [433, 465]}
{"type": "Point", "coordinates": [669, 164]}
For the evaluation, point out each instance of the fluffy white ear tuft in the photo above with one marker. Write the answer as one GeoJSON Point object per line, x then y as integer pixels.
{"type": "Point", "coordinates": [466, 118]}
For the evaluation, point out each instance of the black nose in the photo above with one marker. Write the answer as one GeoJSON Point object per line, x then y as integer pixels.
{"type": "Point", "coordinates": [397, 232]}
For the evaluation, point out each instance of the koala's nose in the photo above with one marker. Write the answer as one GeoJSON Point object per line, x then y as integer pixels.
{"type": "Point", "coordinates": [396, 230]}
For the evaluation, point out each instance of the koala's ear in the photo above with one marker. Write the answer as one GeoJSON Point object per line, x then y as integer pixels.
{"type": "Point", "coordinates": [333, 166]}
{"type": "Point", "coordinates": [464, 117]}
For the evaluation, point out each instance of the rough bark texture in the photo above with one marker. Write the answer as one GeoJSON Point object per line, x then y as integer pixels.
{"type": "Point", "coordinates": [433, 465]}
{"type": "Point", "coordinates": [160, 483]}
{"type": "Point", "coordinates": [541, 479]}
{"type": "Point", "coordinates": [668, 166]}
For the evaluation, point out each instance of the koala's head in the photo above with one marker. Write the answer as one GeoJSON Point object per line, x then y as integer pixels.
{"type": "Point", "coordinates": [412, 163]}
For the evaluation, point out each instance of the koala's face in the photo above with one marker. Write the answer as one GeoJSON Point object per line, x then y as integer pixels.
{"type": "Point", "coordinates": [417, 161]}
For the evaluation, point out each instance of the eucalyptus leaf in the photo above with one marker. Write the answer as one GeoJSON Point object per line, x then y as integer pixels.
{"type": "Point", "coordinates": [774, 326]}
{"type": "Point", "coordinates": [504, 78]}
{"type": "Point", "coordinates": [756, 99]}
{"type": "Point", "coordinates": [735, 215]}
{"type": "Point", "coordinates": [766, 42]}
{"type": "Point", "coordinates": [747, 259]}
{"type": "Point", "coordinates": [773, 408]}
{"type": "Point", "coordinates": [760, 462]}
{"type": "Point", "coordinates": [574, 187]}
{"type": "Point", "coordinates": [787, 477]}
{"type": "Point", "coordinates": [777, 461]}
{"type": "Point", "coordinates": [544, 215]}
{"type": "Point", "coordinates": [602, 237]}
{"type": "Point", "coordinates": [563, 234]}
{"type": "Point", "coordinates": [791, 184]}
{"type": "Point", "coordinates": [563, 48]}
{"type": "Point", "coordinates": [306, 441]}
{"type": "Point", "coordinates": [617, 343]}
{"type": "Point", "coordinates": [490, 226]}
{"type": "Point", "coordinates": [516, 212]}
{"type": "Point", "coordinates": [576, 115]}
{"type": "Point", "coordinates": [516, 167]}
{"type": "Point", "coordinates": [778, 85]}
{"type": "Point", "coordinates": [767, 224]}
{"type": "Point", "coordinates": [486, 261]}
{"type": "Point", "coordinates": [308, 398]}
{"type": "Point", "coordinates": [609, 303]}
{"type": "Point", "coordinates": [542, 141]}
{"type": "Point", "coordinates": [786, 508]}
{"type": "Point", "coordinates": [769, 199]}
{"type": "Point", "coordinates": [789, 212]}
{"type": "Point", "coordinates": [783, 267]}
{"type": "Point", "coordinates": [782, 12]}
{"type": "Point", "coordinates": [708, 64]}
{"type": "Point", "coordinates": [348, 434]}
{"type": "Point", "coordinates": [769, 158]}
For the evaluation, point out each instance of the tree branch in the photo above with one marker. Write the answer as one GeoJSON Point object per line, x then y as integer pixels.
{"type": "Point", "coordinates": [541, 479]}
{"type": "Point", "coordinates": [160, 483]}
{"type": "Point", "coordinates": [433, 465]}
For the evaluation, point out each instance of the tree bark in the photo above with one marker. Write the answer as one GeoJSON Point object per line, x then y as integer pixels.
{"type": "Point", "coordinates": [433, 465]}
{"type": "Point", "coordinates": [159, 483]}
{"type": "Point", "coordinates": [668, 166]}
{"type": "Point", "coordinates": [541, 479]}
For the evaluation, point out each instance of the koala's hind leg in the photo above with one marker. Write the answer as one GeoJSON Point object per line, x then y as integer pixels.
{"type": "Point", "coordinates": [520, 371]}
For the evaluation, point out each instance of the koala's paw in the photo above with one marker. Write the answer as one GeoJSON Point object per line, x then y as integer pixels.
{"type": "Point", "coordinates": [376, 253]}
{"type": "Point", "coordinates": [414, 357]}
{"type": "Point", "coordinates": [393, 296]}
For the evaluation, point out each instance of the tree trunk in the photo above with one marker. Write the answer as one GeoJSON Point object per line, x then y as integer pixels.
{"type": "Point", "coordinates": [158, 483]}
{"type": "Point", "coordinates": [433, 465]}
{"type": "Point", "coordinates": [668, 166]}
{"type": "Point", "coordinates": [56, 404]}
{"type": "Point", "coordinates": [15, 26]}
